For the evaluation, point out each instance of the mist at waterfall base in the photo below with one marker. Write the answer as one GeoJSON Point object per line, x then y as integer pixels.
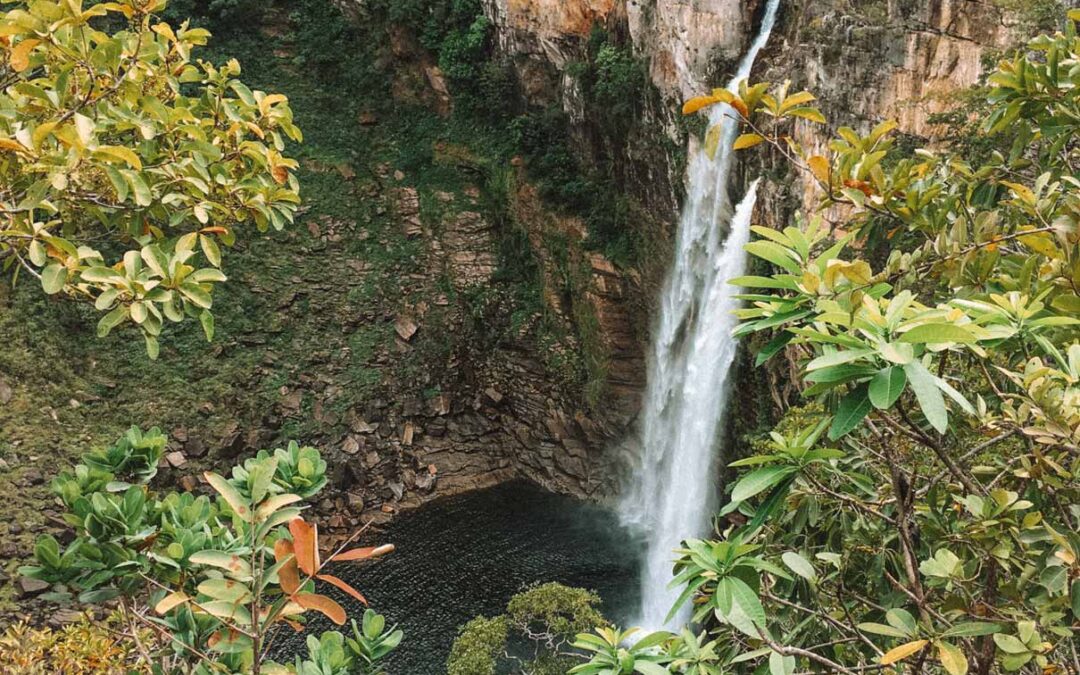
{"type": "Point", "coordinates": [674, 490]}
{"type": "Point", "coordinates": [465, 556]}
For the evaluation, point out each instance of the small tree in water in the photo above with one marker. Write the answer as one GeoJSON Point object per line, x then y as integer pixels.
{"type": "Point", "coordinates": [533, 636]}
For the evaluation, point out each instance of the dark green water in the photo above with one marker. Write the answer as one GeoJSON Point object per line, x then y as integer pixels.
{"type": "Point", "coordinates": [465, 556]}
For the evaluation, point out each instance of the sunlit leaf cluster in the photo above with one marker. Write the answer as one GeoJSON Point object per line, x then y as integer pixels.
{"type": "Point", "coordinates": [126, 165]}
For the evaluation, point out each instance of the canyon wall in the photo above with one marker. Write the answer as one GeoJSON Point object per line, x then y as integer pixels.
{"type": "Point", "coordinates": [505, 411]}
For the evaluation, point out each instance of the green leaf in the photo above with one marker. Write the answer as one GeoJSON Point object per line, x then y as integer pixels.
{"type": "Point", "coordinates": [799, 565]}
{"type": "Point", "coordinates": [929, 395]}
{"type": "Point", "coordinates": [780, 664]}
{"type": "Point", "coordinates": [746, 613]}
{"type": "Point", "coordinates": [207, 321]}
{"type": "Point", "coordinates": [1010, 644]}
{"type": "Point", "coordinates": [851, 411]}
{"type": "Point", "coordinates": [937, 333]}
{"type": "Point", "coordinates": [196, 295]}
{"type": "Point", "coordinates": [227, 590]}
{"type": "Point", "coordinates": [887, 386]}
{"type": "Point", "coordinates": [1067, 302]}
{"type": "Point", "coordinates": [773, 348]}
{"type": "Point", "coordinates": [230, 562]}
{"type": "Point", "coordinates": [232, 497]}
{"type": "Point", "coordinates": [210, 250]}
{"type": "Point", "coordinates": [758, 480]}
{"type": "Point", "coordinates": [882, 629]}
{"type": "Point", "coordinates": [230, 611]}
{"type": "Point", "coordinates": [53, 278]}
{"type": "Point", "coordinates": [972, 629]}
{"type": "Point", "coordinates": [775, 254]}
{"type": "Point", "coordinates": [837, 358]}
{"type": "Point", "coordinates": [111, 320]}
{"type": "Point", "coordinates": [902, 619]}
{"type": "Point", "coordinates": [812, 114]}
{"type": "Point", "coordinates": [152, 346]}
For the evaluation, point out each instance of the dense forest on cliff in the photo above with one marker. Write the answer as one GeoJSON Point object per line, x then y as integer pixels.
{"type": "Point", "coordinates": [279, 274]}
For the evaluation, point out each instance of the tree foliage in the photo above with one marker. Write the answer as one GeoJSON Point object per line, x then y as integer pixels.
{"type": "Point", "coordinates": [210, 581]}
{"type": "Point", "coordinates": [920, 512]}
{"type": "Point", "coordinates": [533, 636]}
{"type": "Point", "coordinates": [125, 165]}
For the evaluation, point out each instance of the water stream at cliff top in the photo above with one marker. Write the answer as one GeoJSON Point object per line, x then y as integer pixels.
{"type": "Point", "coordinates": [674, 490]}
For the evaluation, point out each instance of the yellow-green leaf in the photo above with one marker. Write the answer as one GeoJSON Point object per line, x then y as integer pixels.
{"type": "Point", "coordinates": [902, 652]}
{"type": "Point", "coordinates": [748, 141]}
{"type": "Point", "coordinates": [952, 659]}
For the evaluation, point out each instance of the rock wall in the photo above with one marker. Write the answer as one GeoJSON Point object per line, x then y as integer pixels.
{"type": "Point", "coordinates": [504, 414]}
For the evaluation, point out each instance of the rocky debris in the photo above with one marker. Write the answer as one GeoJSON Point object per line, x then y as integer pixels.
{"type": "Point", "coordinates": [492, 396]}
{"type": "Point", "coordinates": [175, 459]}
{"type": "Point", "coordinates": [405, 327]}
{"type": "Point", "coordinates": [407, 208]}
{"type": "Point", "coordinates": [5, 392]}
{"type": "Point", "coordinates": [28, 587]}
{"type": "Point", "coordinates": [351, 445]}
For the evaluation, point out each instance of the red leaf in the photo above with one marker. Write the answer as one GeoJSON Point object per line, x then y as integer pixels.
{"type": "Point", "coordinates": [321, 603]}
{"type": "Point", "coordinates": [305, 545]}
{"type": "Point", "coordinates": [331, 579]}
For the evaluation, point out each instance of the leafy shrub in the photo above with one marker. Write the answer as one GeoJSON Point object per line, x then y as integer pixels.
{"type": "Point", "coordinates": [86, 647]}
{"type": "Point", "coordinates": [220, 575]}
{"type": "Point", "coordinates": [151, 203]}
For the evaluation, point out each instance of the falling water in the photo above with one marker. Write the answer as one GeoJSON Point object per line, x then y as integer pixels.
{"type": "Point", "coordinates": [692, 354]}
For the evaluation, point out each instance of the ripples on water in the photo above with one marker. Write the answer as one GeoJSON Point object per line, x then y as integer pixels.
{"type": "Point", "coordinates": [464, 556]}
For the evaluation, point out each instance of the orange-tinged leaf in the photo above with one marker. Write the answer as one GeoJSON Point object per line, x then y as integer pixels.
{"type": "Point", "coordinates": [819, 166]}
{"type": "Point", "coordinates": [288, 575]}
{"type": "Point", "coordinates": [170, 601]}
{"type": "Point", "coordinates": [697, 103]}
{"type": "Point", "coordinates": [12, 144]}
{"type": "Point", "coordinates": [305, 545]}
{"type": "Point", "coordinates": [321, 603]}
{"type": "Point", "coordinates": [363, 553]}
{"type": "Point", "coordinates": [214, 229]}
{"type": "Point", "coordinates": [740, 107]}
{"type": "Point", "coordinates": [902, 652]}
{"type": "Point", "coordinates": [331, 579]}
{"type": "Point", "coordinates": [280, 174]}
{"type": "Point", "coordinates": [20, 54]}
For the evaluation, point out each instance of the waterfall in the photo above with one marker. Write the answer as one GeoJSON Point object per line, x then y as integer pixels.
{"type": "Point", "coordinates": [673, 494]}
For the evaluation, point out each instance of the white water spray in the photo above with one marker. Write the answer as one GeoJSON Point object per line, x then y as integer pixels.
{"type": "Point", "coordinates": [673, 494]}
